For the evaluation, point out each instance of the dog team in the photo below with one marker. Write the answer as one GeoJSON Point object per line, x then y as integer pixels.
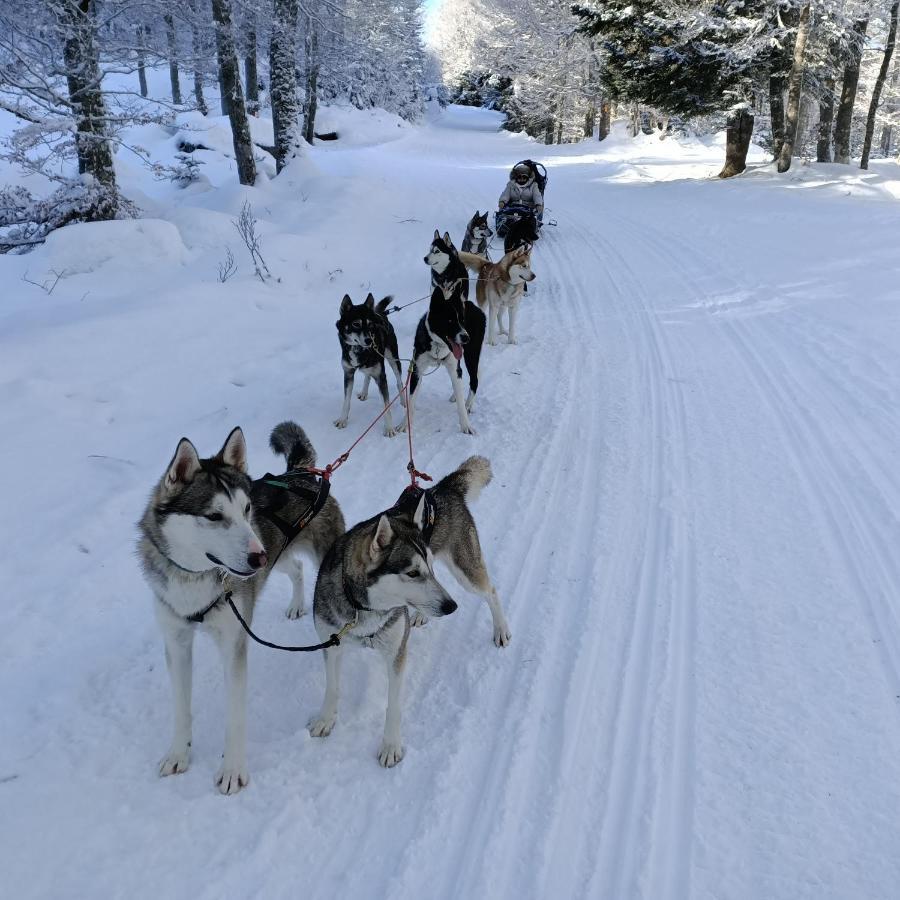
{"type": "Point", "coordinates": [207, 538]}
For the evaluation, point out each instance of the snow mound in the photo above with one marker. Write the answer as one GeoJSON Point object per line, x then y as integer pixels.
{"type": "Point", "coordinates": [359, 127]}
{"type": "Point", "coordinates": [124, 244]}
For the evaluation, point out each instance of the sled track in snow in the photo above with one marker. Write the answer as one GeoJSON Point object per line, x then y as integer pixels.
{"type": "Point", "coordinates": [845, 524]}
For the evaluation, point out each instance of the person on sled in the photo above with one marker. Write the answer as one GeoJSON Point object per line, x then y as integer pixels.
{"type": "Point", "coordinates": [523, 190]}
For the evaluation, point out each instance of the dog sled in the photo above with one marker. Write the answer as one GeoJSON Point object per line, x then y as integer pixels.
{"type": "Point", "coordinates": [510, 215]}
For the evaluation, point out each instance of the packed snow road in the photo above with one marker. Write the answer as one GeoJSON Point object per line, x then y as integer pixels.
{"type": "Point", "coordinates": [693, 528]}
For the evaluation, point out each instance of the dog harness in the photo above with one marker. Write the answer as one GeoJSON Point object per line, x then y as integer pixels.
{"type": "Point", "coordinates": [408, 502]}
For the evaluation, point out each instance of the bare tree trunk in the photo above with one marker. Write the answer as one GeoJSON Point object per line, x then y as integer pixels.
{"type": "Point", "coordinates": [777, 84]}
{"type": "Point", "coordinates": [229, 76]}
{"type": "Point", "coordinates": [634, 125]}
{"type": "Point", "coordinates": [197, 50]}
{"type": "Point", "coordinates": [141, 62]}
{"type": "Point", "coordinates": [83, 78]}
{"type": "Point", "coordinates": [283, 81]}
{"type": "Point", "coordinates": [737, 142]}
{"type": "Point", "coordinates": [251, 74]}
{"type": "Point", "coordinates": [603, 127]}
{"type": "Point", "coordinates": [312, 80]}
{"type": "Point", "coordinates": [879, 85]}
{"type": "Point", "coordinates": [794, 88]}
{"type": "Point", "coordinates": [173, 57]}
{"type": "Point", "coordinates": [590, 118]}
{"type": "Point", "coordinates": [844, 117]}
{"type": "Point", "coordinates": [826, 119]}
{"type": "Point", "coordinates": [888, 130]}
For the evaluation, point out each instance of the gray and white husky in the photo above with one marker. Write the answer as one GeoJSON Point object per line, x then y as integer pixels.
{"type": "Point", "coordinates": [202, 535]}
{"type": "Point", "coordinates": [381, 566]}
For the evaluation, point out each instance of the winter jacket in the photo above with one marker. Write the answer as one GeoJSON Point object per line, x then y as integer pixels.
{"type": "Point", "coordinates": [528, 194]}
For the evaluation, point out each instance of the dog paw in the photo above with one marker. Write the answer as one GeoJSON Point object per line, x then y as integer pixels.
{"type": "Point", "coordinates": [468, 429]}
{"type": "Point", "coordinates": [401, 427]}
{"type": "Point", "coordinates": [175, 762]}
{"type": "Point", "coordinates": [502, 635]}
{"type": "Point", "coordinates": [417, 620]}
{"type": "Point", "coordinates": [230, 779]}
{"type": "Point", "coordinates": [512, 340]}
{"type": "Point", "coordinates": [362, 396]}
{"type": "Point", "coordinates": [453, 398]}
{"type": "Point", "coordinates": [340, 423]}
{"type": "Point", "coordinates": [295, 611]}
{"type": "Point", "coordinates": [492, 343]}
{"type": "Point", "coordinates": [390, 754]}
{"type": "Point", "coordinates": [321, 727]}
{"type": "Point", "coordinates": [389, 432]}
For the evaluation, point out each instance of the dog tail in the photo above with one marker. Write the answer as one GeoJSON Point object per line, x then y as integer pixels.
{"type": "Point", "coordinates": [290, 441]}
{"type": "Point", "coordinates": [469, 480]}
{"type": "Point", "coordinates": [383, 304]}
{"type": "Point", "coordinates": [473, 261]}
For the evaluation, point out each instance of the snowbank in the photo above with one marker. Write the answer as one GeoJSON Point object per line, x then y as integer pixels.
{"type": "Point", "coordinates": [125, 245]}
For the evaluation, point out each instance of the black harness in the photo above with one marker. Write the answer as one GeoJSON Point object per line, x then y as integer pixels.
{"type": "Point", "coordinates": [408, 502]}
{"type": "Point", "coordinates": [303, 485]}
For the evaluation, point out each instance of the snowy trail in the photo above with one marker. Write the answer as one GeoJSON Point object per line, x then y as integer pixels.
{"type": "Point", "coordinates": [693, 529]}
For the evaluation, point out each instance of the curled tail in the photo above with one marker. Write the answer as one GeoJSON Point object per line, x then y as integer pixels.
{"type": "Point", "coordinates": [469, 479]}
{"type": "Point", "coordinates": [383, 304]}
{"type": "Point", "coordinates": [289, 440]}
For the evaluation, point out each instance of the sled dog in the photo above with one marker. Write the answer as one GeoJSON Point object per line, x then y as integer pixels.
{"type": "Point", "coordinates": [367, 342]}
{"type": "Point", "coordinates": [447, 272]}
{"type": "Point", "coordinates": [203, 536]}
{"type": "Point", "coordinates": [385, 564]}
{"type": "Point", "coordinates": [478, 233]}
{"type": "Point", "coordinates": [500, 286]}
{"type": "Point", "coordinates": [451, 330]}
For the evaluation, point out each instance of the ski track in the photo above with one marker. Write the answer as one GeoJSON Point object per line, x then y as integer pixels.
{"type": "Point", "coordinates": [846, 527]}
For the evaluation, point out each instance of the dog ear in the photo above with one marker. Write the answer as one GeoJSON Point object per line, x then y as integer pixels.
{"type": "Point", "coordinates": [234, 450]}
{"type": "Point", "coordinates": [437, 235]}
{"type": "Point", "coordinates": [346, 303]}
{"type": "Point", "coordinates": [419, 514]}
{"type": "Point", "coordinates": [477, 213]}
{"type": "Point", "coordinates": [381, 538]}
{"type": "Point", "coordinates": [184, 466]}
{"type": "Point", "coordinates": [370, 300]}
{"type": "Point", "coordinates": [447, 239]}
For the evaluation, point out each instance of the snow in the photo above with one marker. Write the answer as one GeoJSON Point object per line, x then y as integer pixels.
{"type": "Point", "coordinates": [693, 528]}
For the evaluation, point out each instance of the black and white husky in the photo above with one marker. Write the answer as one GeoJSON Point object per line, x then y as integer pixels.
{"type": "Point", "coordinates": [452, 330]}
{"type": "Point", "coordinates": [478, 233]}
{"type": "Point", "coordinates": [447, 272]}
{"type": "Point", "coordinates": [368, 341]}
{"type": "Point", "coordinates": [202, 537]}
{"type": "Point", "coordinates": [385, 564]}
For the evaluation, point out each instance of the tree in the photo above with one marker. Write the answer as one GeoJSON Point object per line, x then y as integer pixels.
{"type": "Point", "coordinates": [879, 85]}
{"type": "Point", "coordinates": [844, 117]}
{"type": "Point", "coordinates": [670, 56]}
{"type": "Point", "coordinates": [794, 87]}
{"type": "Point", "coordinates": [172, 45]}
{"type": "Point", "coordinates": [283, 81]}
{"type": "Point", "coordinates": [230, 81]}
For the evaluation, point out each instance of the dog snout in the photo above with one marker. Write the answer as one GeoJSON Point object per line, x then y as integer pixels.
{"type": "Point", "coordinates": [448, 606]}
{"type": "Point", "coordinates": [257, 560]}
{"type": "Point", "coordinates": [462, 337]}
{"type": "Point", "coordinates": [425, 259]}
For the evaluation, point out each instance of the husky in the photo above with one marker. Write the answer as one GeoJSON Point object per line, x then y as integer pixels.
{"type": "Point", "coordinates": [478, 233]}
{"type": "Point", "coordinates": [204, 537]}
{"type": "Point", "coordinates": [447, 272]}
{"type": "Point", "coordinates": [451, 330]}
{"type": "Point", "coordinates": [500, 286]}
{"type": "Point", "coordinates": [385, 564]}
{"type": "Point", "coordinates": [368, 341]}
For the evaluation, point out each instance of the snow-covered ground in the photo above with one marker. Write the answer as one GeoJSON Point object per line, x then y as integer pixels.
{"type": "Point", "coordinates": [694, 527]}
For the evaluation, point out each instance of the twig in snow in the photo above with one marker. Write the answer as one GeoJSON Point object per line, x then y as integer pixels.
{"type": "Point", "coordinates": [246, 228]}
{"type": "Point", "coordinates": [43, 284]}
{"type": "Point", "coordinates": [227, 267]}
